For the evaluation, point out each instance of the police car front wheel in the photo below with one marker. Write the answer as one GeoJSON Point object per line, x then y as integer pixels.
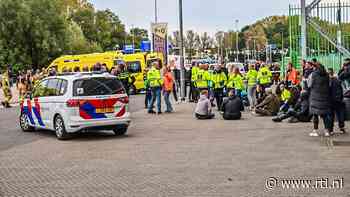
{"type": "Point", "coordinates": [23, 121]}
{"type": "Point", "coordinates": [60, 128]}
{"type": "Point", "coordinates": [120, 131]}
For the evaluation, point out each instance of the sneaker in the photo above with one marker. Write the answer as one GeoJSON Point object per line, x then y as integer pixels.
{"type": "Point", "coordinates": [276, 119]}
{"type": "Point", "coordinates": [327, 134]}
{"type": "Point", "coordinates": [342, 130]}
{"type": "Point", "coordinates": [159, 113]}
{"type": "Point", "coordinates": [314, 133]}
{"type": "Point", "coordinates": [151, 112]}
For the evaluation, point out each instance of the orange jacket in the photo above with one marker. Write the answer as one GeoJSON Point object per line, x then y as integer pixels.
{"type": "Point", "coordinates": [168, 81]}
{"type": "Point", "coordinates": [293, 76]}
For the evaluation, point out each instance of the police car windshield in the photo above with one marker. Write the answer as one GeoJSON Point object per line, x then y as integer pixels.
{"type": "Point", "coordinates": [96, 86]}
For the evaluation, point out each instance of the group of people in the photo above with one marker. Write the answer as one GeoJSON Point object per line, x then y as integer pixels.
{"type": "Point", "coordinates": [305, 96]}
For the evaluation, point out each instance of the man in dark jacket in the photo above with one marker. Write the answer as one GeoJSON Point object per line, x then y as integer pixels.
{"type": "Point", "coordinates": [338, 105]}
{"type": "Point", "coordinates": [270, 105]}
{"type": "Point", "coordinates": [299, 113]}
{"type": "Point", "coordinates": [232, 107]}
{"type": "Point", "coordinates": [320, 101]}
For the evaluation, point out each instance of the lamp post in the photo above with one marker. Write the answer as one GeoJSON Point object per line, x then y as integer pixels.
{"type": "Point", "coordinates": [237, 58]}
{"type": "Point", "coordinates": [155, 11]}
{"type": "Point", "coordinates": [182, 59]}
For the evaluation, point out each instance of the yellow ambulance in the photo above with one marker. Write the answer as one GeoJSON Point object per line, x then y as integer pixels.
{"type": "Point", "coordinates": [70, 62]}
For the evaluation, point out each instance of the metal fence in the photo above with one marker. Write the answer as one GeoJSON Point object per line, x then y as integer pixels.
{"type": "Point", "coordinates": [328, 31]}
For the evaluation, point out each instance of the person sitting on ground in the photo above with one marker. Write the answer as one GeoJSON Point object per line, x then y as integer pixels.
{"type": "Point", "coordinates": [285, 98]}
{"type": "Point", "coordinates": [270, 105]}
{"type": "Point", "coordinates": [232, 107]}
{"type": "Point", "coordinates": [299, 113]}
{"type": "Point", "coordinates": [203, 109]}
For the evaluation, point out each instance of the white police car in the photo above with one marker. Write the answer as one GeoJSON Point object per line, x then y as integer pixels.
{"type": "Point", "coordinates": [76, 102]}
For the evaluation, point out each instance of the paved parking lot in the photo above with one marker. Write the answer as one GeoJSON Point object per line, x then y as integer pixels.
{"type": "Point", "coordinates": [172, 155]}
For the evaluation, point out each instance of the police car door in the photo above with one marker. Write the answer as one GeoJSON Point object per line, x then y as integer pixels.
{"type": "Point", "coordinates": [35, 105]}
{"type": "Point", "coordinates": [50, 101]}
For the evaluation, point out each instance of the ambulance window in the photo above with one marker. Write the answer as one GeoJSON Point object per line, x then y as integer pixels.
{"type": "Point", "coordinates": [134, 67]}
{"type": "Point", "coordinates": [40, 89]}
{"type": "Point", "coordinates": [52, 87]}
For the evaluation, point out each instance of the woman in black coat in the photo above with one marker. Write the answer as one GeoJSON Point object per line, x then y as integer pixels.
{"type": "Point", "coordinates": [320, 99]}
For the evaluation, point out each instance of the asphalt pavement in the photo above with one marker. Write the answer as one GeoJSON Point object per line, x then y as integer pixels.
{"type": "Point", "coordinates": [11, 135]}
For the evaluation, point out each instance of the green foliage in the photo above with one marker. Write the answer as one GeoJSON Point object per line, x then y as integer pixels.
{"type": "Point", "coordinates": [35, 32]}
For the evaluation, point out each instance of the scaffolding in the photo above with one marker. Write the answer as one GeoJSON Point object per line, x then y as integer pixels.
{"type": "Point", "coordinates": [327, 33]}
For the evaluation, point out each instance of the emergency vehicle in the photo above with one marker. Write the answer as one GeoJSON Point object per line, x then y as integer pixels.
{"type": "Point", "coordinates": [89, 60]}
{"type": "Point", "coordinates": [77, 102]}
{"type": "Point", "coordinates": [137, 63]}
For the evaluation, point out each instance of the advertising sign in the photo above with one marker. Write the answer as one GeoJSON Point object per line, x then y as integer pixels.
{"type": "Point", "coordinates": [159, 35]}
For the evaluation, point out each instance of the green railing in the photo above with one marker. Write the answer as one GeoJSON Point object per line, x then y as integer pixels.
{"type": "Point", "coordinates": [335, 22]}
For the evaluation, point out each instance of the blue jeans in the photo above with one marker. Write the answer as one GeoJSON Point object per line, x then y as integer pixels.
{"type": "Point", "coordinates": [169, 107]}
{"type": "Point", "coordinates": [148, 98]}
{"type": "Point", "coordinates": [156, 95]}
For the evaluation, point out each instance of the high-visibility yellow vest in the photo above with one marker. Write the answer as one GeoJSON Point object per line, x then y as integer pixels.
{"type": "Point", "coordinates": [286, 95]}
{"type": "Point", "coordinates": [194, 73]}
{"type": "Point", "coordinates": [154, 78]}
{"type": "Point", "coordinates": [203, 78]}
{"type": "Point", "coordinates": [252, 77]}
{"type": "Point", "coordinates": [235, 81]}
{"type": "Point", "coordinates": [264, 75]}
{"type": "Point", "coordinates": [219, 80]}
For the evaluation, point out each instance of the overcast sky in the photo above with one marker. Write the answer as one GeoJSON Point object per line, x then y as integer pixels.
{"type": "Point", "coordinates": [199, 15]}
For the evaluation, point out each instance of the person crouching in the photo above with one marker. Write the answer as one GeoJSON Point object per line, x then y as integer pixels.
{"type": "Point", "coordinates": [203, 109]}
{"type": "Point", "coordinates": [232, 107]}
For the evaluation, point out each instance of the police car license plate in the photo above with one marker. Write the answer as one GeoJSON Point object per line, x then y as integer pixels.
{"type": "Point", "coordinates": [104, 110]}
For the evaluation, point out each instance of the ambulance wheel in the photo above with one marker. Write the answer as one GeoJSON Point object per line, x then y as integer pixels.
{"type": "Point", "coordinates": [60, 128]}
{"type": "Point", "coordinates": [23, 121]}
{"type": "Point", "coordinates": [120, 131]}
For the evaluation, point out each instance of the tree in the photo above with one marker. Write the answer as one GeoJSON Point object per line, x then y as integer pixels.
{"type": "Point", "coordinates": [190, 43]}
{"type": "Point", "coordinates": [28, 35]}
{"type": "Point", "coordinates": [205, 42]}
{"type": "Point", "coordinates": [138, 35]}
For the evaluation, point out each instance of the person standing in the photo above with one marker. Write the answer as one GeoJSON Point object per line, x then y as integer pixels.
{"type": "Point", "coordinates": [155, 81]}
{"type": "Point", "coordinates": [219, 80]}
{"type": "Point", "coordinates": [124, 76]}
{"type": "Point", "coordinates": [236, 82]}
{"type": "Point", "coordinates": [168, 88]}
{"type": "Point", "coordinates": [148, 94]}
{"type": "Point", "coordinates": [337, 102]}
{"type": "Point", "coordinates": [292, 76]}
{"type": "Point", "coordinates": [264, 77]}
{"type": "Point", "coordinates": [6, 88]}
{"type": "Point", "coordinates": [203, 78]}
{"type": "Point", "coordinates": [194, 73]}
{"type": "Point", "coordinates": [320, 101]}
{"type": "Point", "coordinates": [251, 77]}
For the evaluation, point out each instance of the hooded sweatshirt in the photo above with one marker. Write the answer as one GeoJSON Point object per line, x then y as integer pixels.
{"type": "Point", "coordinates": [203, 106]}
